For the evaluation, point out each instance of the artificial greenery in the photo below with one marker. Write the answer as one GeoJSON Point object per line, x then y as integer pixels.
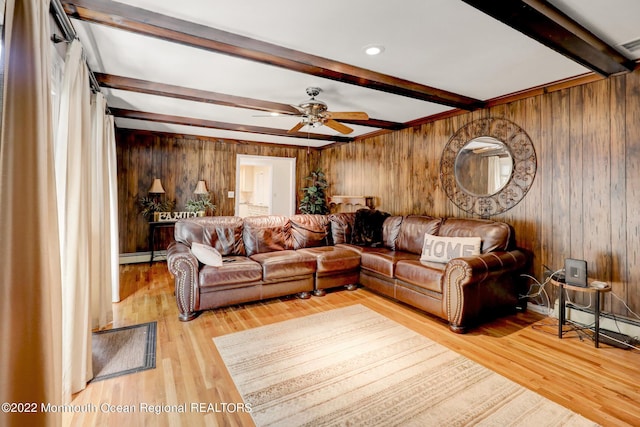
{"type": "Point", "coordinates": [149, 205]}
{"type": "Point", "coordinates": [200, 204]}
{"type": "Point", "coordinates": [314, 200]}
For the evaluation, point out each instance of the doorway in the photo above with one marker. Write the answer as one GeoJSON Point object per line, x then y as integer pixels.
{"type": "Point", "coordinates": [265, 185]}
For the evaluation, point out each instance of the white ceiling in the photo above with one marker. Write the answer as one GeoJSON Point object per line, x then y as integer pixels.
{"type": "Point", "coordinates": [445, 44]}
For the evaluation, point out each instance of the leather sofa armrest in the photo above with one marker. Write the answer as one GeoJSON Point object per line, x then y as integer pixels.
{"type": "Point", "coordinates": [475, 286]}
{"type": "Point", "coordinates": [184, 267]}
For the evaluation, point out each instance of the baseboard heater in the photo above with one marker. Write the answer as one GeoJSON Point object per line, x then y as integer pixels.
{"type": "Point", "coordinates": [613, 338]}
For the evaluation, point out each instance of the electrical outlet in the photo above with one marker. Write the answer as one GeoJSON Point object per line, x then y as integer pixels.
{"type": "Point", "coordinates": [231, 194]}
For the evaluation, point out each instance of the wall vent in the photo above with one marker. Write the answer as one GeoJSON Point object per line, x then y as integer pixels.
{"type": "Point", "coordinates": [632, 45]}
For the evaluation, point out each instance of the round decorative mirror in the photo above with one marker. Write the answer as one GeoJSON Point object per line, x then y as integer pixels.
{"type": "Point", "coordinates": [488, 166]}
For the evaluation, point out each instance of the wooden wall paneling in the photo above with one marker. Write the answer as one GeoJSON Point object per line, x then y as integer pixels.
{"type": "Point", "coordinates": [362, 157]}
{"type": "Point", "coordinates": [122, 181]}
{"type": "Point", "coordinates": [142, 176]}
{"type": "Point", "coordinates": [163, 167]}
{"type": "Point", "coordinates": [596, 180]}
{"type": "Point", "coordinates": [406, 176]}
{"type": "Point", "coordinates": [336, 176]}
{"type": "Point", "coordinates": [393, 172]}
{"type": "Point", "coordinates": [436, 141]}
{"type": "Point", "coordinates": [457, 122]}
{"type": "Point", "coordinates": [534, 199]}
{"type": "Point", "coordinates": [544, 174]}
{"type": "Point", "coordinates": [618, 216]}
{"type": "Point", "coordinates": [186, 175]}
{"type": "Point", "coordinates": [122, 166]}
{"type": "Point", "coordinates": [338, 169]}
{"type": "Point", "coordinates": [559, 188]}
{"type": "Point", "coordinates": [575, 175]}
{"type": "Point", "coordinates": [574, 172]}
{"type": "Point", "coordinates": [375, 158]}
{"type": "Point", "coordinates": [222, 175]}
{"type": "Point", "coordinates": [632, 201]}
{"type": "Point", "coordinates": [377, 181]}
{"type": "Point", "coordinates": [426, 160]}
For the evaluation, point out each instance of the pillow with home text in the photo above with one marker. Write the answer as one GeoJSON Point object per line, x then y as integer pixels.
{"type": "Point", "coordinates": [442, 249]}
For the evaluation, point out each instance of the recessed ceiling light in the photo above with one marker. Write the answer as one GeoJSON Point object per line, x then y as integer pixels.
{"type": "Point", "coordinates": [373, 49]}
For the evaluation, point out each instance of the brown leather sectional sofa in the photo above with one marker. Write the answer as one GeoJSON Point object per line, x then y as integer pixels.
{"type": "Point", "coordinates": [272, 256]}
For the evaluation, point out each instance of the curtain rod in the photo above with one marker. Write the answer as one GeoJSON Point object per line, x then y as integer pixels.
{"type": "Point", "coordinates": [70, 34]}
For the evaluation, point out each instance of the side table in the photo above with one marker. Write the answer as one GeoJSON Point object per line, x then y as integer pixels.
{"type": "Point", "coordinates": [153, 225]}
{"type": "Point", "coordinates": [589, 289]}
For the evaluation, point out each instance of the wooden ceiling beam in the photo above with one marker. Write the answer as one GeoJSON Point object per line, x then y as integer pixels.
{"type": "Point", "coordinates": [547, 24]}
{"type": "Point", "coordinates": [212, 124]}
{"type": "Point", "coordinates": [153, 88]}
{"type": "Point", "coordinates": [172, 91]}
{"type": "Point", "coordinates": [175, 30]}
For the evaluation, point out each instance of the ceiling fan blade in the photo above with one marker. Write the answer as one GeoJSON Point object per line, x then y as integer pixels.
{"type": "Point", "coordinates": [338, 126]}
{"type": "Point", "coordinates": [296, 128]}
{"type": "Point", "coordinates": [346, 115]}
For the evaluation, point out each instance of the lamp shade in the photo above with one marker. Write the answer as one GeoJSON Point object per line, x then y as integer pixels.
{"type": "Point", "coordinates": [201, 188]}
{"type": "Point", "coordinates": [156, 187]}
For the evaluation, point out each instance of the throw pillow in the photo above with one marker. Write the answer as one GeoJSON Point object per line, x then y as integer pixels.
{"type": "Point", "coordinates": [206, 254]}
{"type": "Point", "coordinates": [442, 249]}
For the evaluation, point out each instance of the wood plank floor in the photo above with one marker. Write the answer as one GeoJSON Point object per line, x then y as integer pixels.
{"type": "Point", "coordinates": [601, 384]}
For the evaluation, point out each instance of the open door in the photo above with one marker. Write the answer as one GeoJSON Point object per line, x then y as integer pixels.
{"type": "Point", "coordinates": [265, 185]}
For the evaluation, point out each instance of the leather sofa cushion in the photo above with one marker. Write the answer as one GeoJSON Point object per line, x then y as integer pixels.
{"type": "Point", "coordinates": [361, 249]}
{"type": "Point", "coordinates": [334, 258]}
{"type": "Point", "coordinates": [412, 231]}
{"type": "Point", "coordinates": [309, 231]}
{"type": "Point", "coordinates": [384, 262]}
{"type": "Point", "coordinates": [236, 271]}
{"type": "Point", "coordinates": [285, 264]}
{"type": "Point", "coordinates": [391, 230]}
{"type": "Point", "coordinates": [267, 233]}
{"type": "Point", "coordinates": [342, 226]}
{"type": "Point", "coordinates": [422, 274]}
{"type": "Point", "coordinates": [224, 233]}
{"type": "Point", "coordinates": [496, 236]}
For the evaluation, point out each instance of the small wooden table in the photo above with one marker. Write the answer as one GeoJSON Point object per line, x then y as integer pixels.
{"type": "Point", "coordinates": [590, 289]}
{"type": "Point", "coordinates": [153, 225]}
{"type": "Point", "coordinates": [353, 201]}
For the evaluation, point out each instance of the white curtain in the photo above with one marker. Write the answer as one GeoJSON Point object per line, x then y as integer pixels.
{"type": "Point", "coordinates": [101, 226]}
{"type": "Point", "coordinates": [112, 177]}
{"type": "Point", "coordinates": [30, 332]}
{"type": "Point", "coordinates": [87, 208]}
{"type": "Point", "coordinates": [73, 182]}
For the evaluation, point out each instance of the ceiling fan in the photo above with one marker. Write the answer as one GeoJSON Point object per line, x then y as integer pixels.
{"type": "Point", "coordinates": [314, 114]}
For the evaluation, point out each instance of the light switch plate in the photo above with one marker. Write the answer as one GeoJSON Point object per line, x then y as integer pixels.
{"type": "Point", "coordinates": [231, 194]}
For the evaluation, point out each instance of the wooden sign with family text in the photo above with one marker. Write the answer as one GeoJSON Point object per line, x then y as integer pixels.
{"type": "Point", "coordinates": [174, 216]}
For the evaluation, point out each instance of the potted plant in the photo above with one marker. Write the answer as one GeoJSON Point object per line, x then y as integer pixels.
{"type": "Point", "coordinates": [150, 205]}
{"type": "Point", "coordinates": [314, 200]}
{"type": "Point", "coordinates": [200, 205]}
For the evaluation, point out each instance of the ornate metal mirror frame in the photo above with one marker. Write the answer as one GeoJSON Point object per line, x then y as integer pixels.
{"type": "Point", "coordinates": [522, 173]}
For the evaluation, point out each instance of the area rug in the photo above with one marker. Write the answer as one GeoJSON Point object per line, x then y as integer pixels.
{"type": "Point", "coordinates": [353, 366]}
{"type": "Point", "coordinates": [122, 351]}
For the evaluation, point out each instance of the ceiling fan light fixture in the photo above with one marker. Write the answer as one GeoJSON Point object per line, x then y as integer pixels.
{"type": "Point", "coordinates": [373, 49]}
